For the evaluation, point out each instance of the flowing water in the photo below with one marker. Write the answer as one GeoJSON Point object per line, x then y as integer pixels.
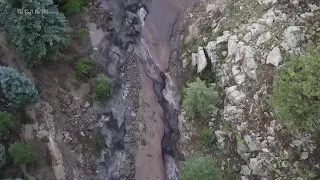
{"type": "Point", "coordinates": [155, 41]}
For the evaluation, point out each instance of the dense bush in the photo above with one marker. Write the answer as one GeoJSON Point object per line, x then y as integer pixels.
{"type": "Point", "coordinates": [102, 87]}
{"type": "Point", "coordinates": [206, 138]}
{"type": "Point", "coordinates": [82, 66]}
{"type": "Point", "coordinates": [72, 6]}
{"type": "Point", "coordinates": [36, 36]}
{"type": "Point", "coordinates": [200, 100]}
{"type": "Point", "coordinates": [17, 88]}
{"type": "Point", "coordinates": [6, 122]}
{"type": "Point", "coordinates": [2, 155]}
{"type": "Point", "coordinates": [296, 92]}
{"type": "Point", "coordinates": [83, 33]}
{"type": "Point", "coordinates": [199, 168]}
{"type": "Point", "coordinates": [21, 153]}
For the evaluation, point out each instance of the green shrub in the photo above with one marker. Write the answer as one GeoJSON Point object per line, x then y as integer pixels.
{"type": "Point", "coordinates": [2, 155]}
{"type": "Point", "coordinates": [102, 87]}
{"type": "Point", "coordinates": [296, 92]}
{"type": "Point", "coordinates": [6, 122]}
{"type": "Point", "coordinates": [21, 153]}
{"type": "Point", "coordinates": [17, 88]}
{"type": "Point", "coordinates": [14, 179]}
{"type": "Point", "coordinates": [199, 168]}
{"type": "Point", "coordinates": [200, 100]}
{"type": "Point", "coordinates": [206, 138]}
{"type": "Point", "coordinates": [82, 66]}
{"type": "Point", "coordinates": [83, 33]}
{"type": "Point", "coordinates": [36, 37]}
{"type": "Point", "coordinates": [72, 6]}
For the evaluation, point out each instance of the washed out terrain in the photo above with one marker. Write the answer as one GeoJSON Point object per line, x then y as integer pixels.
{"type": "Point", "coordinates": [152, 50]}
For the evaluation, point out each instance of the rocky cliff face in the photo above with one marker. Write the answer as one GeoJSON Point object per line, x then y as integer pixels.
{"type": "Point", "coordinates": [245, 43]}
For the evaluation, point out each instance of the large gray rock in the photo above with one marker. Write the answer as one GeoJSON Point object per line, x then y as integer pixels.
{"type": "Point", "coordinates": [253, 144]}
{"type": "Point", "coordinates": [142, 13]}
{"type": "Point", "coordinates": [199, 59]}
{"type": "Point", "coordinates": [274, 57]}
{"type": "Point", "coordinates": [234, 95]}
{"type": "Point", "coordinates": [194, 59]}
{"type": "Point", "coordinates": [269, 17]}
{"type": "Point", "coordinates": [249, 64]}
{"type": "Point", "coordinates": [212, 7]}
{"type": "Point", "coordinates": [304, 155]}
{"type": "Point", "coordinates": [245, 170]}
{"type": "Point", "coordinates": [220, 137]}
{"type": "Point", "coordinates": [264, 38]}
{"type": "Point", "coordinates": [232, 45]}
{"type": "Point", "coordinates": [247, 38]}
{"type": "Point", "coordinates": [211, 50]}
{"type": "Point", "coordinates": [202, 60]}
{"type": "Point", "coordinates": [238, 75]}
{"type": "Point", "coordinates": [257, 29]}
{"type": "Point", "coordinates": [289, 36]}
{"type": "Point", "coordinates": [230, 113]}
{"type": "Point", "coordinates": [224, 37]}
{"type": "Point", "coordinates": [256, 166]}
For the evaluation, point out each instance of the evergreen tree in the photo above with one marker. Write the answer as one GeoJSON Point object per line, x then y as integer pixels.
{"type": "Point", "coordinates": [296, 92]}
{"type": "Point", "coordinates": [34, 27]}
{"type": "Point", "coordinates": [200, 100]}
{"type": "Point", "coordinates": [16, 87]}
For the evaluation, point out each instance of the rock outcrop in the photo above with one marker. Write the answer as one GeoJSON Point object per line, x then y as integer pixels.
{"type": "Point", "coordinates": [254, 50]}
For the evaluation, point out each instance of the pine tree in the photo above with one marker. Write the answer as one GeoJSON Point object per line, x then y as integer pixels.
{"type": "Point", "coordinates": [296, 94]}
{"type": "Point", "coordinates": [16, 87]}
{"type": "Point", "coordinates": [200, 100]}
{"type": "Point", "coordinates": [34, 27]}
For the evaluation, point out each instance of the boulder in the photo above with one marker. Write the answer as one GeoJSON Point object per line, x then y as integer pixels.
{"type": "Point", "coordinates": [247, 38]}
{"type": "Point", "coordinates": [264, 38]}
{"type": "Point", "coordinates": [289, 36]}
{"type": "Point", "coordinates": [232, 45]}
{"type": "Point", "coordinates": [202, 60]}
{"type": "Point", "coordinates": [211, 7]}
{"type": "Point", "coordinates": [234, 95]}
{"type": "Point", "coordinates": [245, 170]}
{"type": "Point", "coordinates": [253, 144]}
{"type": "Point", "coordinates": [194, 59]}
{"type": "Point", "coordinates": [224, 37]}
{"type": "Point", "coordinates": [255, 166]}
{"type": "Point", "coordinates": [274, 57]}
{"type": "Point", "coordinates": [249, 65]}
{"type": "Point", "coordinates": [269, 17]}
{"type": "Point", "coordinates": [257, 29]}
{"type": "Point", "coordinates": [211, 48]}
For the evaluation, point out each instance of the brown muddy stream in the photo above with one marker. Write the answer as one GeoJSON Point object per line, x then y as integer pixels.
{"type": "Point", "coordinates": [154, 39]}
{"type": "Point", "coordinates": [156, 35]}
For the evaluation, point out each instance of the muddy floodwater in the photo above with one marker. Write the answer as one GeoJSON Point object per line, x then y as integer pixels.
{"type": "Point", "coordinates": [148, 31]}
{"type": "Point", "coordinates": [157, 37]}
{"type": "Point", "coordinates": [159, 26]}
